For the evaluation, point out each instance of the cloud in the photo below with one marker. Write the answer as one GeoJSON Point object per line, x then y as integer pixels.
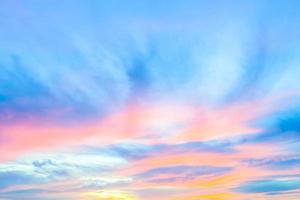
{"type": "Point", "coordinates": [180, 173]}
{"type": "Point", "coordinates": [217, 196]}
{"type": "Point", "coordinates": [109, 195]}
{"type": "Point", "coordinates": [269, 186]}
{"type": "Point", "coordinates": [34, 194]}
{"type": "Point", "coordinates": [284, 162]}
{"type": "Point", "coordinates": [46, 169]}
{"type": "Point", "coordinates": [280, 127]}
{"type": "Point", "coordinates": [12, 178]}
{"type": "Point", "coordinates": [108, 99]}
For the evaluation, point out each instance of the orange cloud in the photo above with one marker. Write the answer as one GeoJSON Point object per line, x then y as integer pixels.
{"type": "Point", "coordinates": [221, 196]}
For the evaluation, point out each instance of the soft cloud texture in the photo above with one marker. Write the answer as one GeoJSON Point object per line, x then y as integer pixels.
{"type": "Point", "coordinates": [149, 100]}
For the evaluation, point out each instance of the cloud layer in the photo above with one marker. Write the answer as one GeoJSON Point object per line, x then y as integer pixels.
{"type": "Point", "coordinates": [149, 100]}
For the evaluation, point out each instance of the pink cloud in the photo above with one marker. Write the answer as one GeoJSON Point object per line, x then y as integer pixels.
{"type": "Point", "coordinates": [163, 122]}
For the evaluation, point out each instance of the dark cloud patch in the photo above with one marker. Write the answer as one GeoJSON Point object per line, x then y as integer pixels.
{"type": "Point", "coordinates": [181, 172]}
{"type": "Point", "coordinates": [279, 162]}
{"type": "Point", "coordinates": [41, 164]}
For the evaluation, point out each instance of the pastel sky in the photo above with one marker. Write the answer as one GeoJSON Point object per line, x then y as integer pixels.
{"type": "Point", "coordinates": [149, 100]}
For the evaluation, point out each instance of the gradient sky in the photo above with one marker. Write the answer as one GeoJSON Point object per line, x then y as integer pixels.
{"type": "Point", "coordinates": [149, 100]}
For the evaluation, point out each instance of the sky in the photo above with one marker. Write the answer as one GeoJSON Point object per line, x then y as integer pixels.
{"type": "Point", "coordinates": [149, 100]}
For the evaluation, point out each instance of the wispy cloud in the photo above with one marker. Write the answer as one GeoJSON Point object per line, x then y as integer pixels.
{"type": "Point", "coordinates": [149, 100]}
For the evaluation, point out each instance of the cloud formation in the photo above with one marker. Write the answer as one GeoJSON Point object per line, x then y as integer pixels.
{"type": "Point", "coordinates": [149, 100]}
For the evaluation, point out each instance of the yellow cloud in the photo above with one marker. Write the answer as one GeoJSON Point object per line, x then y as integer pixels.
{"type": "Point", "coordinates": [224, 196]}
{"type": "Point", "coordinates": [109, 195]}
{"type": "Point", "coordinates": [221, 196]}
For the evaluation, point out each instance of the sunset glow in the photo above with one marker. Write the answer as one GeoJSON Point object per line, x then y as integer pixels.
{"type": "Point", "coordinates": [149, 100]}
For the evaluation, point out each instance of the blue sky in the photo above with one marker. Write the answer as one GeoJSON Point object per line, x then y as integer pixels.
{"type": "Point", "coordinates": [149, 99]}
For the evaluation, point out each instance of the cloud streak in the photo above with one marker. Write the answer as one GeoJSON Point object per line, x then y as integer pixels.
{"type": "Point", "coordinates": [149, 100]}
